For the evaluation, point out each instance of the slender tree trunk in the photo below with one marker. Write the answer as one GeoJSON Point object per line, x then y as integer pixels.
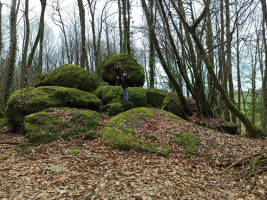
{"type": "Point", "coordinates": [26, 44]}
{"type": "Point", "coordinates": [9, 71]}
{"type": "Point", "coordinates": [83, 59]}
{"type": "Point", "coordinates": [151, 50]}
{"type": "Point", "coordinates": [163, 62]}
{"type": "Point", "coordinates": [125, 37]}
{"type": "Point", "coordinates": [120, 27]}
{"type": "Point", "coordinates": [41, 43]}
{"type": "Point", "coordinates": [37, 39]}
{"type": "Point", "coordinates": [128, 27]}
{"type": "Point", "coordinates": [229, 58]}
{"type": "Point", "coordinates": [252, 130]}
{"type": "Point", "coordinates": [264, 82]}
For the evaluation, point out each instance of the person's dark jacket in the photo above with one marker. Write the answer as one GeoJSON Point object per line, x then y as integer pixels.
{"type": "Point", "coordinates": [119, 72]}
{"type": "Point", "coordinates": [125, 81]}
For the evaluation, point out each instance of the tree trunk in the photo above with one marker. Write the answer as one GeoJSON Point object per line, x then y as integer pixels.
{"type": "Point", "coordinates": [41, 43]}
{"type": "Point", "coordinates": [10, 67]}
{"type": "Point", "coordinates": [163, 62]}
{"type": "Point", "coordinates": [151, 64]}
{"type": "Point", "coordinates": [83, 59]}
{"type": "Point", "coordinates": [120, 27]}
{"type": "Point", "coordinates": [252, 130]}
{"type": "Point", "coordinates": [125, 36]}
{"type": "Point", "coordinates": [37, 39]}
{"type": "Point", "coordinates": [26, 44]}
{"type": "Point", "coordinates": [229, 58]}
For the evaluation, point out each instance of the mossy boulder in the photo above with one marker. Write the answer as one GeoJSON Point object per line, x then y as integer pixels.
{"type": "Point", "coordinates": [228, 128]}
{"type": "Point", "coordinates": [187, 140]}
{"type": "Point", "coordinates": [31, 100]}
{"type": "Point", "coordinates": [155, 97]}
{"type": "Point", "coordinates": [114, 94]}
{"type": "Point", "coordinates": [117, 108]}
{"type": "Point", "coordinates": [129, 64]}
{"type": "Point", "coordinates": [171, 106]}
{"type": "Point", "coordinates": [91, 135]}
{"type": "Point", "coordinates": [4, 122]}
{"type": "Point", "coordinates": [120, 132]}
{"type": "Point", "coordinates": [70, 76]}
{"type": "Point", "coordinates": [54, 123]}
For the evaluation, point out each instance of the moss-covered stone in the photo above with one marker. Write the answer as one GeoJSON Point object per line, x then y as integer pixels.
{"type": "Point", "coordinates": [126, 120]}
{"type": "Point", "coordinates": [31, 100]}
{"type": "Point", "coordinates": [228, 128]}
{"type": "Point", "coordinates": [4, 122]}
{"type": "Point", "coordinates": [114, 94]}
{"type": "Point", "coordinates": [118, 140]}
{"type": "Point", "coordinates": [187, 140]}
{"type": "Point", "coordinates": [117, 108]}
{"type": "Point", "coordinates": [155, 97]}
{"type": "Point", "coordinates": [70, 76]}
{"type": "Point", "coordinates": [129, 64]}
{"type": "Point", "coordinates": [171, 106]}
{"type": "Point", "coordinates": [52, 124]}
{"type": "Point", "coordinates": [91, 135]}
{"type": "Point", "coordinates": [74, 152]}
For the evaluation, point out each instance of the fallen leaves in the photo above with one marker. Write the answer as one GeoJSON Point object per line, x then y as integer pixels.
{"type": "Point", "coordinates": [99, 172]}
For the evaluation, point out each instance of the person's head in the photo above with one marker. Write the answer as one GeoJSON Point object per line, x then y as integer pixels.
{"type": "Point", "coordinates": [119, 64]}
{"type": "Point", "coordinates": [125, 73]}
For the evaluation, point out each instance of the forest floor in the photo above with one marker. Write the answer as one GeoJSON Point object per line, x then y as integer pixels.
{"type": "Point", "coordinates": [99, 172]}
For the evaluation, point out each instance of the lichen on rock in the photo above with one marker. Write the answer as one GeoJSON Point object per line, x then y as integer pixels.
{"type": "Point", "coordinates": [70, 76]}
{"type": "Point", "coordinates": [129, 64]}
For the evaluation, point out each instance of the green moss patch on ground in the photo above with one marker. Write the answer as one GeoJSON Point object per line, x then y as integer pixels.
{"type": "Point", "coordinates": [129, 64]}
{"type": "Point", "coordinates": [70, 76]}
{"type": "Point", "coordinates": [71, 152]}
{"type": "Point", "coordinates": [187, 140]}
{"type": "Point", "coordinates": [31, 100]}
{"type": "Point", "coordinates": [50, 125]}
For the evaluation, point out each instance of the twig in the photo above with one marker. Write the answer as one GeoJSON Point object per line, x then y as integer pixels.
{"type": "Point", "coordinates": [237, 162]}
{"type": "Point", "coordinates": [253, 184]}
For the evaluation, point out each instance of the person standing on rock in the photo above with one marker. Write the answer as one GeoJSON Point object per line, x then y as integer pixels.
{"type": "Point", "coordinates": [119, 74]}
{"type": "Point", "coordinates": [125, 84]}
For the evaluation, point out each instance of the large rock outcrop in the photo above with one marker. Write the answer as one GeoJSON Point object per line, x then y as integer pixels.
{"type": "Point", "coordinates": [31, 100]}
{"type": "Point", "coordinates": [54, 123]}
{"type": "Point", "coordinates": [70, 76]}
{"type": "Point", "coordinates": [114, 94]}
{"type": "Point", "coordinates": [129, 64]}
{"type": "Point", "coordinates": [123, 131]}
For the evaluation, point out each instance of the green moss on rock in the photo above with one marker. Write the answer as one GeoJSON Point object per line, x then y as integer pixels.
{"type": "Point", "coordinates": [70, 76]}
{"type": "Point", "coordinates": [117, 108]}
{"type": "Point", "coordinates": [31, 100]}
{"type": "Point", "coordinates": [114, 94]}
{"type": "Point", "coordinates": [228, 128]}
{"type": "Point", "coordinates": [129, 64]}
{"type": "Point", "coordinates": [91, 135]}
{"type": "Point", "coordinates": [74, 152]}
{"type": "Point", "coordinates": [187, 140]}
{"type": "Point", "coordinates": [171, 106]}
{"type": "Point", "coordinates": [126, 120]}
{"type": "Point", "coordinates": [118, 140]}
{"type": "Point", "coordinates": [47, 126]}
{"type": "Point", "coordinates": [155, 97]}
